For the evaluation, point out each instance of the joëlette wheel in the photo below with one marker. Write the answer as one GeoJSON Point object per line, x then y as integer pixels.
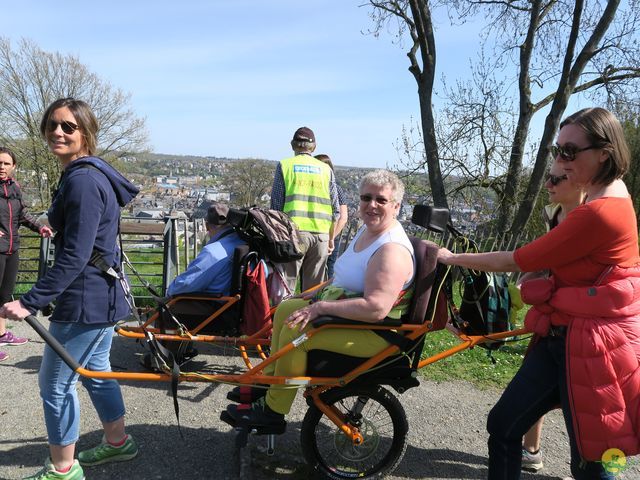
{"type": "Point", "coordinates": [381, 420]}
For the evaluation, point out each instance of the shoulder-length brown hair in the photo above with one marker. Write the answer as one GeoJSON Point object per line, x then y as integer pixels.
{"type": "Point", "coordinates": [604, 131]}
{"type": "Point", "coordinates": [84, 116]}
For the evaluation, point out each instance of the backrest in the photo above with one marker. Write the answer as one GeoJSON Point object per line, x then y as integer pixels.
{"type": "Point", "coordinates": [422, 303]}
{"type": "Point", "coordinates": [238, 268]}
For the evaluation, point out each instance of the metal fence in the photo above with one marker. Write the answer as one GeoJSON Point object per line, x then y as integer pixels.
{"type": "Point", "coordinates": [158, 250]}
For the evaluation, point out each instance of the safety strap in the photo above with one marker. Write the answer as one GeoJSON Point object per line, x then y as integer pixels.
{"type": "Point", "coordinates": [98, 261]}
{"type": "Point", "coordinates": [468, 279]}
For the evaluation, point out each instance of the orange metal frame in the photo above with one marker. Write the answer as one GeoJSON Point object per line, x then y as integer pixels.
{"type": "Point", "coordinates": [257, 340]}
{"type": "Point", "coordinates": [255, 375]}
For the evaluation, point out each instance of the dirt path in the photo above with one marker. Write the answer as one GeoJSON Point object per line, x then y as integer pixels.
{"type": "Point", "coordinates": [447, 438]}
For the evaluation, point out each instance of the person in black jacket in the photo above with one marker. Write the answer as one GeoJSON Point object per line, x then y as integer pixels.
{"type": "Point", "coordinates": [12, 215]}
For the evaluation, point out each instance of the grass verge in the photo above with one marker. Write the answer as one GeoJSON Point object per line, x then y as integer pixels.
{"type": "Point", "coordinates": [483, 368]}
{"type": "Point", "coordinates": [473, 365]}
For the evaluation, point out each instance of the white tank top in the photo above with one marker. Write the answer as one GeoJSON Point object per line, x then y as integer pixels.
{"type": "Point", "coordinates": [350, 267]}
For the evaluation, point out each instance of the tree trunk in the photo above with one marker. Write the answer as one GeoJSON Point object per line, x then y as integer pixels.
{"type": "Point", "coordinates": [571, 72]}
{"type": "Point", "coordinates": [525, 114]}
{"type": "Point", "coordinates": [425, 41]}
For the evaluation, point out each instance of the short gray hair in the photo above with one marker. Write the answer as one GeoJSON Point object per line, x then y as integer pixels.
{"type": "Point", "coordinates": [383, 178]}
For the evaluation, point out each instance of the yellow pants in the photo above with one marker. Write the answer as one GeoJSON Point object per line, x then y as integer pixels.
{"type": "Point", "coordinates": [357, 343]}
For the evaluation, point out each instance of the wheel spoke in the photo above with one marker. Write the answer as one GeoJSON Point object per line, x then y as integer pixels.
{"type": "Point", "coordinates": [381, 421]}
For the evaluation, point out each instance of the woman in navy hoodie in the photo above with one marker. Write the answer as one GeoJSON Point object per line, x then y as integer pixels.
{"type": "Point", "coordinates": [12, 216]}
{"type": "Point", "coordinates": [85, 213]}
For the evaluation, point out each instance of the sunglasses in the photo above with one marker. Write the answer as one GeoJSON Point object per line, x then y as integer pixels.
{"type": "Point", "coordinates": [555, 179]}
{"type": "Point", "coordinates": [568, 152]}
{"type": "Point", "coordinates": [379, 200]}
{"type": "Point", "coordinates": [67, 127]}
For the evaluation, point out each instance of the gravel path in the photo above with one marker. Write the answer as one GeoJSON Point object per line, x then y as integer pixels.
{"type": "Point", "coordinates": [447, 438]}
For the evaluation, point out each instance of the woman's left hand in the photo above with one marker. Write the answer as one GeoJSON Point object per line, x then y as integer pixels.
{"type": "Point", "coordinates": [14, 311]}
{"type": "Point", "coordinates": [300, 318]}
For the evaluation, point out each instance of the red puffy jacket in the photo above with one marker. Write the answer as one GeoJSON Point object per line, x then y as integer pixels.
{"type": "Point", "coordinates": [603, 355]}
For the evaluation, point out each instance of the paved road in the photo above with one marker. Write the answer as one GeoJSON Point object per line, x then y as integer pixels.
{"type": "Point", "coordinates": [447, 434]}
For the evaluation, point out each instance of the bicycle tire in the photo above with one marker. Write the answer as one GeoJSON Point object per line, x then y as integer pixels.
{"type": "Point", "coordinates": [382, 423]}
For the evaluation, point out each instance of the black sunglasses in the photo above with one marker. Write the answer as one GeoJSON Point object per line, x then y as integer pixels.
{"type": "Point", "coordinates": [568, 152]}
{"type": "Point", "coordinates": [379, 200]}
{"type": "Point", "coordinates": [555, 179]}
{"type": "Point", "coordinates": [67, 127]}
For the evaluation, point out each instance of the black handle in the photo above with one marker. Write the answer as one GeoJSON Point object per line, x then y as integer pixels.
{"type": "Point", "coordinates": [52, 342]}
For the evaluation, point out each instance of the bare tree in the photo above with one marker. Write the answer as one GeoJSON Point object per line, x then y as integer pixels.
{"type": "Point", "coordinates": [629, 115]}
{"type": "Point", "coordinates": [414, 16]}
{"type": "Point", "coordinates": [559, 47]}
{"type": "Point", "coordinates": [565, 47]}
{"type": "Point", "coordinates": [249, 181]}
{"type": "Point", "coordinates": [30, 80]}
{"type": "Point", "coordinates": [475, 129]}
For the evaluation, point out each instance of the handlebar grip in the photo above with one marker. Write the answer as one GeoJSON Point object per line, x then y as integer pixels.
{"type": "Point", "coordinates": [52, 342]}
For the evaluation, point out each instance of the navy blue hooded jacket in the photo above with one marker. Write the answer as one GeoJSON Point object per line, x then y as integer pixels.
{"type": "Point", "coordinates": [85, 213]}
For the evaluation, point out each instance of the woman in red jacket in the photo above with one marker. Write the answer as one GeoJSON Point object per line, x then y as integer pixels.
{"type": "Point", "coordinates": [12, 215]}
{"type": "Point", "coordinates": [564, 197]}
{"type": "Point", "coordinates": [587, 313]}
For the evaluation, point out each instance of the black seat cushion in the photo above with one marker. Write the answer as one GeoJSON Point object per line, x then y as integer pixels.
{"type": "Point", "coordinates": [321, 363]}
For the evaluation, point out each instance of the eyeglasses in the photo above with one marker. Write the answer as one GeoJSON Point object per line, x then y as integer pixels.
{"type": "Point", "coordinates": [67, 127]}
{"type": "Point", "coordinates": [555, 179]}
{"type": "Point", "coordinates": [366, 198]}
{"type": "Point", "coordinates": [568, 152]}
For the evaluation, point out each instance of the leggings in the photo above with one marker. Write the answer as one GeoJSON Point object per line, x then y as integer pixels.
{"type": "Point", "coordinates": [357, 343]}
{"type": "Point", "coordinates": [8, 274]}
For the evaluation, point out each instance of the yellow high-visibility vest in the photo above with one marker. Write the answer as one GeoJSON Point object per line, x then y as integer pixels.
{"type": "Point", "coordinates": [307, 195]}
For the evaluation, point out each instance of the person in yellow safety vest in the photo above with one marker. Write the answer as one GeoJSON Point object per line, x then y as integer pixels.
{"type": "Point", "coordinates": [305, 189]}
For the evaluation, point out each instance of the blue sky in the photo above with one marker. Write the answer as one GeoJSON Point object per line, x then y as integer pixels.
{"type": "Point", "coordinates": [236, 78]}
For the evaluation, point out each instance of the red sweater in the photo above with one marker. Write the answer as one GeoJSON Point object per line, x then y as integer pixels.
{"type": "Point", "coordinates": [600, 233]}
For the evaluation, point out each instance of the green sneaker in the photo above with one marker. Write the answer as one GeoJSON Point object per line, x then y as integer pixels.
{"type": "Point", "coordinates": [105, 453]}
{"type": "Point", "coordinates": [49, 472]}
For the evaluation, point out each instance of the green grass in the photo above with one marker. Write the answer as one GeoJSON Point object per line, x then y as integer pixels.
{"type": "Point", "coordinates": [474, 365]}
{"type": "Point", "coordinates": [145, 261]}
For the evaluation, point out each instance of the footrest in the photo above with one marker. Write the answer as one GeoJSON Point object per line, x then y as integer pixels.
{"type": "Point", "coordinates": [256, 429]}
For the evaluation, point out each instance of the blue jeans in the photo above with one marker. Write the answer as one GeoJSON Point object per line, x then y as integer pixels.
{"type": "Point", "coordinates": [90, 346]}
{"type": "Point", "coordinates": [539, 386]}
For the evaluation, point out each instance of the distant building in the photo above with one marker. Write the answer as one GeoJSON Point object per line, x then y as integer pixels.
{"type": "Point", "coordinates": [217, 196]}
{"type": "Point", "coordinates": [167, 182]}
{"type": "Point", "coordinates": [210, 194]}
{"type": "Point", "coordinates": [150, 213]}
{"type": "Point", "coordinates": [190, 180]}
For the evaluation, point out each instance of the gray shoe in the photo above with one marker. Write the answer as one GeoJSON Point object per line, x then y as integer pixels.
{"type": "Point", "coordinates": [531, 462]}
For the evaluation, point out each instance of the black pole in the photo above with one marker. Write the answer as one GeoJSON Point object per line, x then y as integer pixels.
{"type": "Point", "coordinates": [52, 342]}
